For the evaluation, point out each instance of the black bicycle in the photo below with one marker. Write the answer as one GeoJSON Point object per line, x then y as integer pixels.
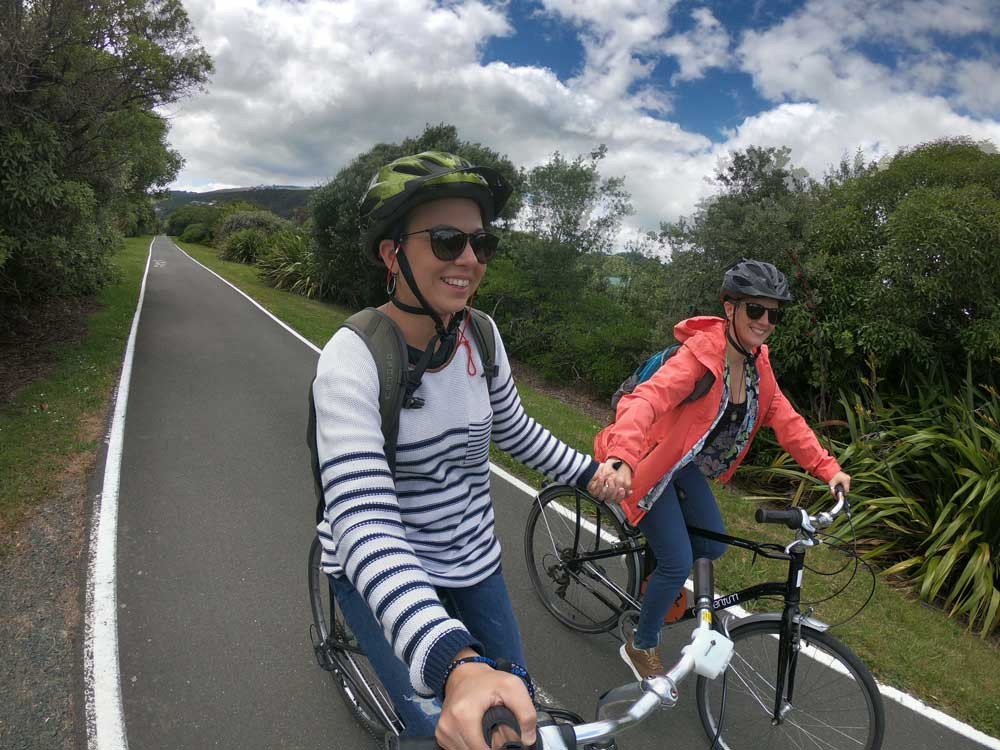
{"type": "Point", "coordinates": [789, 683]}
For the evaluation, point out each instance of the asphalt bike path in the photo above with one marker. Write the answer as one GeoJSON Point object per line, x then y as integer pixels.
{"type": "Point", "coordinates": [214, 524]}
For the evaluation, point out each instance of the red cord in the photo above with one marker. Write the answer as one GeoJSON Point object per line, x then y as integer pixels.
{"type": "Point", "coordinates": [470, 365]}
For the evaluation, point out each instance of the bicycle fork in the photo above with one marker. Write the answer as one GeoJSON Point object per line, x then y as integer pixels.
{"type": "Point", "coordinates": [788, 639]}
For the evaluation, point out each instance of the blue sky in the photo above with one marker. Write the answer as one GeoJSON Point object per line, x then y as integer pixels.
{"type": "Point", "coordinates": [671, 87]}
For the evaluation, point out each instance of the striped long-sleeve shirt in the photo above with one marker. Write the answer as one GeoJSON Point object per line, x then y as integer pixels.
{"type": "Point", "coordinates": [433, 525]}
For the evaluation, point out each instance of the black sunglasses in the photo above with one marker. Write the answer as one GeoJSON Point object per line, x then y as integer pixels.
{"type": "Point", "coordinates": [448, 243]}
{"type": "Point", "coordinates": [755, 312]}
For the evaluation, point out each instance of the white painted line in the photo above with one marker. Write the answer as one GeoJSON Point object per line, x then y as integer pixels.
{"type": "Point", "coordinates": [890, 692]}
{"type": "Point", "coordinates": [255, 303]}
{"type": "Point", "coordinates": [105, 717]}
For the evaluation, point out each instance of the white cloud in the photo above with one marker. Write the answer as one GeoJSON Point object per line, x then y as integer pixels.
{"type": "Point", "coordinates": [706, 46]}
{"type": "Point", "coordinates": [836, 99]}
{"type": "Point", "coordinates": [978, 84]}
{"type": "Point", "coordinates": [302, 87]}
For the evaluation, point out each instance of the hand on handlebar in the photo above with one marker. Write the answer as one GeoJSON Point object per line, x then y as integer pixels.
{"type": "Point", "coordinates": [841, 478]}
{"type": "Point", "coordinates": [471, 690]}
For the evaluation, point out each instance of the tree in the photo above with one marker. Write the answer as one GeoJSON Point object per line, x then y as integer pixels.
{"type": "Point", "coordinates": [878, 257]}
{"type": "Point", "coordinates": [567, 202]}
{"type": "Point", "coordinates": [907, 256]}
{"type": "Point", "coordinates": [81, 145]}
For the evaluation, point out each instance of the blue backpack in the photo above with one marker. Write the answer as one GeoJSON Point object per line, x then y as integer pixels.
{"type": "Point", "coordinates": [646, 370]}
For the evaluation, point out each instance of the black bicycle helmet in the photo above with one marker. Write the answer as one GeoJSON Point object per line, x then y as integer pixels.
{"type": "Point", "coordinates": [755, 278]}
{"type": "Point", "coordinates": [406, 183]}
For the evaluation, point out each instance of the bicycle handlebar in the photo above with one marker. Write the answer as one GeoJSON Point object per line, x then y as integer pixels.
{"type": "Point", "coordinates": [797, 518]}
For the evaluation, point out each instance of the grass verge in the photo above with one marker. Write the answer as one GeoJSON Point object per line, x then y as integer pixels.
{"type": "Point", "coordinates": [57, 421]}
{"type": "Point", "coordinates": [904, 642]}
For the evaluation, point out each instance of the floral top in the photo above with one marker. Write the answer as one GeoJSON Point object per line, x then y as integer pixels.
{"type": "Point", "coordinates": [731, 432]}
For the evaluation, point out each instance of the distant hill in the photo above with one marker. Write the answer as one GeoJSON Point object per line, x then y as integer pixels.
{"type": "Point", "coordinates": [280, 199]}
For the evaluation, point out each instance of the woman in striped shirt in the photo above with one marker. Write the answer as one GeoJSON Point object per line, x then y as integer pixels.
{"type": "Point", "coordinates": [412, 554]}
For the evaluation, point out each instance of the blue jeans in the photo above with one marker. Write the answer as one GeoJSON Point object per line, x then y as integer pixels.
{"type": "Point", "coordinates": [486, 612]}
{"type": "Point", "coordinates": [686, 500]}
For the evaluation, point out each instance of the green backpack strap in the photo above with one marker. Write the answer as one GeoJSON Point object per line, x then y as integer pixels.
{"type": "Point", "coordinates": [388, 348]}
{"type": "Point", "coordinates": [485, 338]}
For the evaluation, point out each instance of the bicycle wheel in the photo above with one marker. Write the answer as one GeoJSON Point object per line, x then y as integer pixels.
{"type": "Point", "coordinates": [580, 560]}
{"type": "Point", "coordinates": [337, 652]}
{"type": "Point", "coordinates": [835, 702]}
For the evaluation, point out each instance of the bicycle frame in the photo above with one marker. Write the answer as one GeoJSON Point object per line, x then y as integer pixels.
{"type": "Point", "coordinates": [790, 590]}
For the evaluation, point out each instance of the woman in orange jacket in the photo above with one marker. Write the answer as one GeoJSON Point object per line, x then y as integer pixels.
{"type": "Point", "coordinates": [669, 443]}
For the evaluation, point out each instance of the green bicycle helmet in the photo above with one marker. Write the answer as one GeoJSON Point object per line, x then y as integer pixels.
{"type": "Point", "coordinates": [407, 182]}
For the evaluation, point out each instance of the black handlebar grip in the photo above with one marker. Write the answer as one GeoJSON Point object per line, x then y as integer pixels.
{"type": "Point", "coordinates": [704, 583]}
{"type": "Point", "coordinates": [792, 518]}
{"type": "Point", "coordinates": [494, 718]}
{"type": "Point", "coordinates": [839, 491]}
{"type": "Point", "coordinates": [501, 716]}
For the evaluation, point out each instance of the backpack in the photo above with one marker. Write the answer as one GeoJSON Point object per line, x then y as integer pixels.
{"type": "Point", "coordinates": [646, 370]}
{"type": "Point", "coordinates": [388, 348]}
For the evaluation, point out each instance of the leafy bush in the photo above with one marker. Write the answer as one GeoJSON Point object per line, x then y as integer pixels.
{"type": "Point", "coordinates": [263, 221]}
{"type": "Point", "coordinates": [290, 263]}
{"type": "Point", "coordinates": [244, 246]}
{"type": "Point", "coordinates": [179, 220]}
{"type": "Point", "coordinates": [553, 318]}
{"type": "Point", "coordinates": [197, 232]}
{"type": "Point", "coordinates": [926, 485]}
{"type": "Point", "coordinates": [55, 237]}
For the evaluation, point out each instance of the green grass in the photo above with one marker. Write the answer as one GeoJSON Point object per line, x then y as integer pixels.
{"type": "Point", "coordinates": [904, 642]}
{"type": "Point", "coordinates": [55, 424]}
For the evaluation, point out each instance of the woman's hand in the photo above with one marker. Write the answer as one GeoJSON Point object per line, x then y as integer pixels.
{"type": "Point", "coordinates": [840, 478]}
{"type": "Point", "coordinates": [471, 690]}
{"type": "Point", "coordinates": [607, 484]}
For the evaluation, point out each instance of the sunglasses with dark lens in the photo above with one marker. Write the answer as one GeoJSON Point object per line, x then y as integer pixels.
{"type": "Point", "coordinates": [755, 312]}
{"type": "Point", "coordinates": [448, 243]}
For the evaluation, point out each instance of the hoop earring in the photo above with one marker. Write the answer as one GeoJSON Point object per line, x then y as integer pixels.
{"type": "Point", "coordinates": [390, 283]}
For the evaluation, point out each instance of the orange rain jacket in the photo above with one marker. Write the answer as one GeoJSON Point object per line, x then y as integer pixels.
{"type": "Point", "coordinates": [654, 432]}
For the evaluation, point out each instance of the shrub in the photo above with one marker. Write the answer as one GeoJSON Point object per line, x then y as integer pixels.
{"type": "Point", "coordinates": [264, 221]}
{"type": "Point", "coordinates": [925, 478]}
{"type": "Point", "coordinates": [244, 246]}
{"type": "Point", "coordinates": [199, 233]}
{"type": "Point", "coordinates": [290, 263]}
{"type": "Point", "coordinates": [180, 219]}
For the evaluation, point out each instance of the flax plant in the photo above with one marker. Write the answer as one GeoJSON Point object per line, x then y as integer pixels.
{"type": "Point", "coordinates": [926, 492]}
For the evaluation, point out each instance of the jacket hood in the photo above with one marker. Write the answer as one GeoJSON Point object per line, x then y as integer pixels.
{"type": "Point", "coordinates": [705, 337]}
{"type": "Point", "coordinates": [700, 324]}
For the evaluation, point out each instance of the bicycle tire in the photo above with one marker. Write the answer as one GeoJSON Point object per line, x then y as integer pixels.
{"type": "Point", "coordinates": [564, 522]}
{"type": "Point", "coordinates": [352, 673]}
{"type": "Point", "coordinates": [835, 704]}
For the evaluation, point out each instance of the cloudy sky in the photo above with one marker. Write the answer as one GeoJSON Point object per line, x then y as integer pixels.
{"type": "Point", "coordinates": [671, 86]}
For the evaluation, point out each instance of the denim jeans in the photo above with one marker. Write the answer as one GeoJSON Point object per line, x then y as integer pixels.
{"type": "Point", "coordinates": [686, 500]}
{"type": "Point", "coordinates": [484, 609]}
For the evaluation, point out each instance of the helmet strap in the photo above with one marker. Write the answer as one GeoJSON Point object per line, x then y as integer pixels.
{"type": "Point", "coordinates": [734, 338]}
{"type": "Point", "coordinates": [441, 334]}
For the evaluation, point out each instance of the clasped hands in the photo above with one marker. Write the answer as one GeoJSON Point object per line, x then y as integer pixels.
{"type": "Point", "coordinates": [612, 482]}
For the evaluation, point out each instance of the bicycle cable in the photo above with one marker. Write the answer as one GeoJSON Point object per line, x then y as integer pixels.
{"type": "Point", "coordinates": [722, 711]}
{"type": "Point", "coordinates": [857, 560]}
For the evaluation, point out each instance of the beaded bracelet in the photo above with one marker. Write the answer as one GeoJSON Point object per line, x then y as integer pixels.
{"type": "Point", "coordinates": [502, 665]}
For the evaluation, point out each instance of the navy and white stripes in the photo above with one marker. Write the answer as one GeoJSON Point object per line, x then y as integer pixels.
{"type": "Point", "coordinates": [433, 526]}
